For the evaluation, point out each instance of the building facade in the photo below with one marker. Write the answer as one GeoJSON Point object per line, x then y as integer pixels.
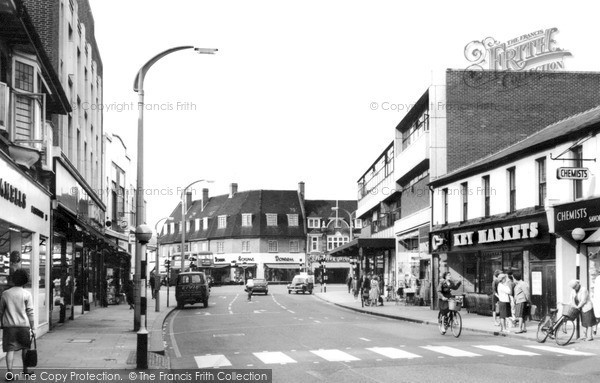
{"type": "Point", "coordinates": [30, 98]}
{"type": "Point", "coordinates": [516, 210]}
{"type": "Point", "coordinates": [258, 233]}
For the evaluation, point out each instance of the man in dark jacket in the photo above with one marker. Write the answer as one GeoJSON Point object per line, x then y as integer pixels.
{"type": "Point", "coordinates": [365, 287]}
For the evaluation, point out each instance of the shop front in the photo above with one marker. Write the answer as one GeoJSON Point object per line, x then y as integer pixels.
{"type": "Point", "coordinates": [375, 256]}
{"type": "Point", "coordinates": [24, 235]}
{"type": "Point", "coordinates": [233, 268]}
{"type": "Point", "coordinates": [281, 268]}
{"type": "Point", "coordinates": [336, 269]}
{"type": "Point", "coordinates": [472, 251]}
{"type": "Point", "coordinates": [577, 227]}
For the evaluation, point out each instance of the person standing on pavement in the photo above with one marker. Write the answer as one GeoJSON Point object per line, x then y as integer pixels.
{"type": "Point", "coordinates": [349, 282]}
{"type": "Point", "coordinates": [374, 292]}
{"type": "Point", "coordinates": [365, 288]}
{"type": "Point", "coordinates": [153, 284]}
{"type": "Point", "coordinates": [522, 301]}
{"type": "Point", "coordinates": [580, 299]}
{"type": "Point", "coordinates": [495, 305]}
{"type": "Point", "coordinates": [511, 283]}
{"type": "Point", "coordinates": [16, 316]}
{"type": "Point", "coordinates": [503, 301]}
{"type": "Point", "coordinates": [355, 288]}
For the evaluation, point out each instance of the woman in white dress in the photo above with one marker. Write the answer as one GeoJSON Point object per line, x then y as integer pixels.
{"type": "Point", "coordinates": [374, 293]}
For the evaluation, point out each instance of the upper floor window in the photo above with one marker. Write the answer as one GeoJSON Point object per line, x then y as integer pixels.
{"type": "Point", "coordinates": [512, 190]}
{"type": "Point", "coordinates": [271, 219]}
{"type": "Point", "coordinates": [577, 184]}
{"type": "Point", "coordinates": [246, 220]}
{"type": "Point", "coordinates": [541, 178]}
{"type": "Point", "coordinates": [314, 243]}
{"type": "Point", "coordinates": [220, 247]}
{"type": "Point", "coordinates": [222, 224]}
{"type": "Point", "coordinates": [294, 246]}
{"type": "Point", "coordinates": [334, 241]}
{"type": "Point", "coordinates": [416, 130]}
{"type": "Point", "coordinates": [292, 219]}
{"type": "Point", "coordinates": [464, 191]}
{"type": "Point", "coordinates": [314, 223]}
{"type": "Point", "coordinates": [485, 180]}
{"type": "Point", "coordinates": [205, 223]}
{"type": "Point", "coordinates": [445, 205]}
{"type": "Point", "coordinates": [273, 248]}
{"type": "Point", "coordinates": [197, 224]}
{"type": "Point", "coordinates": [245, 246]}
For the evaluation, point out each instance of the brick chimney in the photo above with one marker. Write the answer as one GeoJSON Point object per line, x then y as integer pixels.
{"type": "Point", "coordinates": [188, 200]}
{"type": "Point", "coordinates": [233, 188]}
{"type": "Point", "coordinates": [301, 190]}
{"type": "Point", "coordinates": [204, 197]}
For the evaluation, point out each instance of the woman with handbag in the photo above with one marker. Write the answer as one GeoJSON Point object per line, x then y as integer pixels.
{"type": "Point", "coordinates": [522, 302]}
{"type": "Point", "coordinates": [16, 314]}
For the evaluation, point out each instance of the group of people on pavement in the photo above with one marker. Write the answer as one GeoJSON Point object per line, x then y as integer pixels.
{"type": "Point", "coordinates": [511, 301]}
{"type": "Point", "coordinates": [369, 287]}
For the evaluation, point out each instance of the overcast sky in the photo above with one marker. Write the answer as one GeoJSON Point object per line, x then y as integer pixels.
{"type": "Point", "coordinates": [288, 96]}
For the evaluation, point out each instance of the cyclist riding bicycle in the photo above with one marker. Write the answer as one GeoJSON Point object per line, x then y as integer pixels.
{"type": "Point", "coordinates": [444, 292]}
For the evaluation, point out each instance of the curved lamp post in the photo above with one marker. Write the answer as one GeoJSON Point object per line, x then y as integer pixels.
{"type": "Point", "coordinates": [183, 210]}
{"type": "Point", "coordinates": [350, 222]}
{"type": "Point", "coordinates": [138, 86]}
{"type": "Point", "coordinates": [578, 234]}
{"type": "Point", "coordinates": [157, 300]}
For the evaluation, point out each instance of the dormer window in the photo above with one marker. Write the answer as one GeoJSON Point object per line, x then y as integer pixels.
{"type": "Point", "coordinates": [292, 219]}
{"type": "Point", "coordinates": [197, 224]}
{"type": "Point", "coordinates": [205, 223]}
{"type": "Point", "coordinates": [271, 219]}
{"type": "Point", "coordinates": [222, 222]}
{"type": "Point", "coordinates": [246, 220]}
{"type": "Point", "coordinates": [313, 223]}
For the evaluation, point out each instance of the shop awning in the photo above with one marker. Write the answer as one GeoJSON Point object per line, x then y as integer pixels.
{"type": "Point", "coordinates": [352, 247]}
{"type": "Point", "coordinates": [220, 266]}
{"type": "Point", "coordinates": [282, 265]}
{"type": "Point", "coordinates": [594, 238]}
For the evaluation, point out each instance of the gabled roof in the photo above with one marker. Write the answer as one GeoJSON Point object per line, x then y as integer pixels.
{"type": "Point", "coordinates": [255, 202]}
{"type": "Point", "coordinates": [567, 129]}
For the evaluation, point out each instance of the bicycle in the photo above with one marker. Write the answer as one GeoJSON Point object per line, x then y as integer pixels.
{"type": "Point", "coordinates": [452, 319]}
{"type": "Point", "coordinates": [561, 330]}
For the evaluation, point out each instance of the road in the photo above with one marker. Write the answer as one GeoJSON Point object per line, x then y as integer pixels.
{"type": "Point", "coordinates": [305, 339]}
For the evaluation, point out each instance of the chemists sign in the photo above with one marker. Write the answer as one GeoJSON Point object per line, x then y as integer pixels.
{"type": "Point", "coordinates": [583, 214]}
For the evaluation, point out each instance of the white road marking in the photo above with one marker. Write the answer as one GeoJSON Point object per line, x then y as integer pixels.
{"type": "Point", "coordinates": [292, 312]}
{"type": "Point", "coordinates": [274, 357]}
{"type": "Point", "coordinates": [317, 321]}
{"type": "Point", "coordinates": [506, 350]}
{"type": "Point", "coordinates": [208, 361]}
{"type": "Point", "coordinates": [450, 351]}
{"type": "Point", "coordinates": [393, 353]}
{"type": "Point", "coordinates": [334, 355]}
{"type": "Point", "coordinates": [565, 351]}
{"type": "Point", "coordinates": [365, 339]}
{"type": "Point", "coordinates": [172, 336]}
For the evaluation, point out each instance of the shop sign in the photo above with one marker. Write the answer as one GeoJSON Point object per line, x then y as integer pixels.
{"type": "Point", "coordinates": [284, 259]}
{"type": "Point", "coordinates": [497, 234]}
{"type": "Point", "coordinates": [572, 173]}
{"type": "Point", "coordinates": [584, 214]}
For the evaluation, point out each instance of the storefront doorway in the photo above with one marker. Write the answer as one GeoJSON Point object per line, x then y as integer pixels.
{"type": "Point", "coordinates": [543, 287]}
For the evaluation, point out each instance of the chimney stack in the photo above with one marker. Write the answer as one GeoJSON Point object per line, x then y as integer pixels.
{"type": "Point", "coordinates": [301, 190]}
{"type": "Point", "coordinates": [204, 197]}
{"type": "Point", "coordinates": [188, 200]}
{"type": "Point", "coordinates": [233, 188]}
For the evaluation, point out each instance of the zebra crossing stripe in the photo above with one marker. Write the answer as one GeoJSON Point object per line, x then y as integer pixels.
{"type": "Point", "coordinates": [212, 361]}
{"type": "Point", "coordinates": [450, 351]}
{"type": "Point", "coordinates": [506, 350]}
{"type": "Point", "coordinates": [334, 355]}
{"type": "Point", "coordinates": [565, 351]}
{"type": "Point", "coordinates": [393, 353]}
{"type": "Point", "coordinates": [274, 357]}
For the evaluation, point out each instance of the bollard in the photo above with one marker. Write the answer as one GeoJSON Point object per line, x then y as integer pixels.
{"type": "Point", "coordinates": [141, 351]}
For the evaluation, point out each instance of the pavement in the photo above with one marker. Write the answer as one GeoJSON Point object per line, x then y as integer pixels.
{"type": "Point", "coordinates": [339, 296]}
{"type": "Point", "coordinates": [104, 338]}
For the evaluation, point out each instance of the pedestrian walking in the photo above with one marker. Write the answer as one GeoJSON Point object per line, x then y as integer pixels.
{"type": "Point", "coordinates": [503, 301]}
{"type": "Point", "coordinates": [365, 288]}
{"type": "Point", "coordinates": [495, 305]}
{"type": "Point", "coordinates": [374, 292]}
{"type": "Point", "coordinates": [511, 284]}
{"type": "Point", "coordinates": [522, 302]}
{"type": "Point", "coordinates": [349, 282]}
{"type": "Point", "coordinates": [355, 288]}
{"type": "Point", "coordinates": [580, 299]}
{"type": "Point", "coordinates": [129, 293]}
{"type": "Point", "coordinates": [152, 284]}
{"type": "Point", "coordinates": [16, 316]}
{"type": "Point", "coordinates": [249, 286]}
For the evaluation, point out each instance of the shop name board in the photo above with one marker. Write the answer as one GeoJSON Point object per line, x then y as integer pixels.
{"type": "Point", "coordinates": [572, 173]}
{"type": "Point", "coordinates": [12, 194]}
{"type": "Point", "coordinates": [582, 214]}
{"type": "Point", "coordinates": [245, 259]}
{"type": "Point", "coordinates": [497, 234]}
{"type": "Point", "coordinates": [221, 260]}
{"type": "Point", "coordinates": [283, 259]}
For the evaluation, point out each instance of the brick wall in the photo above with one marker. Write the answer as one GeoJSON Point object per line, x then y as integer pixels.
{"type": "Point", "coordinates": [86, 17]}
{"type": "Point", "coordinates": [488, 110]}
{"type": "Point", "coordinates": [44, 15]}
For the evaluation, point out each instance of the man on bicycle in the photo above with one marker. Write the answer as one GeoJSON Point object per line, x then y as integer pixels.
{"type": "Point", "coordinates": [444, 293]}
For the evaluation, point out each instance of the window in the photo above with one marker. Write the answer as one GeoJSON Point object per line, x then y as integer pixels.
{"type": "Point", "coordinates": [27, 108]}
{"type": "Point", "coordinates": [118, 196]}
{"type": "Point", "coordinates": [246, 220]}
{"type": "Point", "coordinates": [314, 243]}
{"type": "Point", "coordinates": [222, 224]}
{"type": "Point", "coordinates": [334, 241]}
{"type": "Point", "coordinates": [445, 205]}
{"type": "Point", "coordinates": [205, 223]}
{"type": "Point", "coordinates": [172, 228]}
{"type": "Point", "coordinates": [416, 130]}
{"type": "Point", "coordinates": [577, 184]}
{"type": "Point", "coordinates": [292, 219]}
{"type": "Point", "coordinates": [294, 246]}
{"type": "Point", "coordinates": [220, 247]}
{"type": "Point", "coordinates": [358, 223]}
{"type": "Point", "coordinates": [485, 180]}
{"type": "Point", "coordinates": [272, 246]}
{"type": "Point", "coordinates": [271, 219]}
{"type": "Point", "coordinates": [512, 191]}
{"type": "Point", "coordinates": [245, 246]}
{"type": "Point", "coordinates": [313, 223]}
{"type": "Point", "coordinates": [464, 191]}
{"type": "Point", "coordinates": [541, 176]}
{"type": "Point", "coordinates": [197, 224]}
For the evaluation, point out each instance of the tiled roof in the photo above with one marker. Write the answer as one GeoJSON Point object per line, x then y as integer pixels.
{"type": "Point", "coordinates": [551, 135]}
{"type": "Point", "coordinates": [255, 202]}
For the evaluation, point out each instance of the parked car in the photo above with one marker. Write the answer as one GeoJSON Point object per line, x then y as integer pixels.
{"type": "Point", "coordinates": [302, 283]}
{"type": "Point", "coordinates": [260, 286]}
{"type": "Point", "coordinates": [191, 287]}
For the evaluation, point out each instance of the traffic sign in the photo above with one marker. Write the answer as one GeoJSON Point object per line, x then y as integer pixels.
{"type": "Point", "coordinates": [572, 173]}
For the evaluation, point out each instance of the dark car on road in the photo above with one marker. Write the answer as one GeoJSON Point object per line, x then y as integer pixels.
{"type": "Point", "coordinates": [260, 286]}
{"type": "Point", "coordinates": [192, 287]}
{"type": "Point", "coordinates": [302, 283]}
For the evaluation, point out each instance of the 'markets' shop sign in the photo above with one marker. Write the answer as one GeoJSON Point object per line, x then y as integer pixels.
{"type": "Point", "coordinates": [583, 214]}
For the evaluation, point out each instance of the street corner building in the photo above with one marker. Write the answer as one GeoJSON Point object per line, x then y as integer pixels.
{"type": "Point", "coordinates": [518, 210]}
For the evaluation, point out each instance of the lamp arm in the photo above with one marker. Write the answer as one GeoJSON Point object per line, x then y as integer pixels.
{"type": "Point", "coordinates": [138, 83]}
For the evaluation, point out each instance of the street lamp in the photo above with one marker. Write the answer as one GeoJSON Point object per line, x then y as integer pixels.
{"type": "Point", "coordinates": [143, 233]}
{"type": "Point", "coordinates": [181, 270]}
{"type": "Point", "coordinates": [138, 86]}
{"type": "Point", "coordinates": [578, 234]}
{"type": "Point", "coordinates": [157, 267]}
{"type": "Point", "coordinates": [336, 209]}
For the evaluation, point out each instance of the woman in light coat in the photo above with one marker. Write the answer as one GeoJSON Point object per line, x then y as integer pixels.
{"type": "Point", "coordinates": [580, 298]}
{"type": "Point", "coordinates": [374, 293]}
{"type": "Point", "coordinates": [596, 301]}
